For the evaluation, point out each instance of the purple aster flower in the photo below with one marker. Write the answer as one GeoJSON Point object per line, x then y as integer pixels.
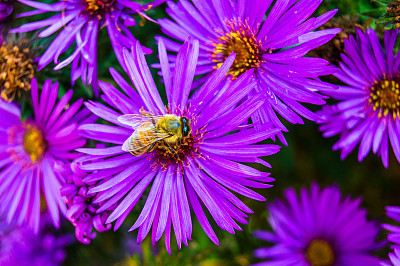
{"type": "Point", "coordinates": [19, 246]}
{"type": "Point", "coordinates": [6, 8]}
{"type": "Point", "coordinates": [318, 228]}
{"type": "Point", "coordinates": [36, 153]}
{"type": "Point", "coordinates": [369, 108]}
{"type": "Point", "coordinates": [80, 22]}
{"type": "Point", "coordinates": [273, 47]}
{"type": "Point", "coordinates": [81, 206]}
{"type": "Point", "coordinates": [393, 237]}
{"type": "Point", "coordinates": [201, 168]}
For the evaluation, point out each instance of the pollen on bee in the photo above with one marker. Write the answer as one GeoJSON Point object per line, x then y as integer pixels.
{"type": "Point", "coordinates": [180, 154]}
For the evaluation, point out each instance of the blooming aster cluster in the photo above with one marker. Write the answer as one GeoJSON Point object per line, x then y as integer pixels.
{"type": "Point", "coordinates": [272, 45]}
{"type": "Point", "coordinates": [203, 169]}
{"type": "Point", "coordinates": [80, 22]}
{"type": "Point", "coordinates": [36, 153]}
{"type": "Point", "coordinates": [369, 109]}
{"type": "Point", "coordinates": [19, 246]}
{"type": "Point", "coordinates": [192, 150]}
{"type": "Point", "coordinates": [318, 227]}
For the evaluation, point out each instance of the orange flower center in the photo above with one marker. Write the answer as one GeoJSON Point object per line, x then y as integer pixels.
{"type": "Point", "coordinates": [34, 143]}
{"type": "Point", "coordinates": [385, 97]}
{"type": "Point", "coordinates": [320, 253]}
{"type": "Point", "coordinates": [241, 40]}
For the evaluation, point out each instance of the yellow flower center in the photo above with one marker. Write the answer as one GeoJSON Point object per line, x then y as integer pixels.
{"type": "Point", "coordinates": [385, 97]}
{"type": "Point", "coordinates": [241, 40]}
{"type": "Point", "coordinates": [34, 143]}
{"type": "Point", "coordinates": [320, 253]}
{"type": "Point", "coordinates": [16, 70]}
{"type": "Point", "coordinates": [98, 8]}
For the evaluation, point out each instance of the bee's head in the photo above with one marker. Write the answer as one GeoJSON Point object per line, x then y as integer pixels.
{"type": "Point", "coordinates": [186, 129]}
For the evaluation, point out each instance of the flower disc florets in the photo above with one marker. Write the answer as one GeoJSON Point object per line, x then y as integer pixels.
{"type": "Point", "coordinates": [318, 227]}
{"type": "Point", "coordinates": [320, 253]}
{"type": "Point", "coordinates": [16, 69]}
{"type": "Point", "coordinates": [242, 40]}
{"type": "Point", "coordinates": [385, 97]}
{"type": "Point", "coordinates": [33, 143]}
{"type": "Point", "coordinates": [98, 8]}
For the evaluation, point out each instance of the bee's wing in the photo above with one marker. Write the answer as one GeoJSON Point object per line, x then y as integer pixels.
{"type": "Point", "coordinates": [151, 133]}
{"type": "Point", "coordinates": [136, 120]}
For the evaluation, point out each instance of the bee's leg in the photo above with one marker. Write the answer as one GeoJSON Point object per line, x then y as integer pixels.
{"type": "Point", "coordinates": [172, 150]}
{"type": "Point", "coordinates": [179, 142]}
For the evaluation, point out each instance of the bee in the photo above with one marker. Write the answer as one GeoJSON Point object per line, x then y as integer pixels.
{"type": "Point", "coordinates": [164, 132]}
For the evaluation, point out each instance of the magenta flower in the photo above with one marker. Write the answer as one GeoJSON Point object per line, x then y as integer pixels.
{"type": "Point", "coordinates": [82, 206]}
{"type": "Point", "coordinates": [273, 45]}
{"type": "Point", "coordinates": [369, 109]}
{"type": "Point", "coordinates": [80, 22]}
{"type": "Point", "coordinates": [393, 237]}
{"type": "Point", "coordinates": [36, 153]}
{"type": "Point", "coordinates": [20, 246]}
{"type": "Point", "coordinates": [202, 170]}
{"type": "Point", "coordinates": [318, 227]}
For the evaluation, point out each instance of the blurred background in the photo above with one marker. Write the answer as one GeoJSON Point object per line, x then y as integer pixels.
{"type": "Point", "coordinates": [308, 158]}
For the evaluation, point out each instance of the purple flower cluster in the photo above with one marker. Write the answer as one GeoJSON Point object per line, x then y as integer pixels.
{"type": "Point", "coordinates": [195, 149]}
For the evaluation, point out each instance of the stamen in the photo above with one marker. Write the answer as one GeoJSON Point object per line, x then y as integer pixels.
{"type": "Point", "coordinates": [16, 70]}
{"type": "Point", "coordinates": [242, 40]}
{"type": "Point", "coordinates": [385, 97]}
{"type": "Point", "coordinates": [34, 144]}
{"type": "Point", "coordinates": [98, 8]}
{"type": "Point", "coordinates": [320, 253]}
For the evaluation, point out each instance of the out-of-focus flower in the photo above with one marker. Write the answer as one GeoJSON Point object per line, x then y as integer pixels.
{"type": "Point", "coordinates": [80, 22]}
{"type": "Point", "coordinates": [17, 67]}
{"type": "Point", "coordinates": [6, 8]}
{"type": "Point", "coordinates": [272, 45]}
{"type": "Point", "coordinates": [393, 237]}
{"type": "Point", "coordinates": [20, 246]}
{"type": "Point", "coordinates": [36, 153]}
{"type": "Point", "coordinates": [369, 109]}
{"type": "Point", "coordinates": [201, 167]}
{"type": "Point", "coordinates": [82, 206]}
{"type": "Point", "coordinates": [318, 227]}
